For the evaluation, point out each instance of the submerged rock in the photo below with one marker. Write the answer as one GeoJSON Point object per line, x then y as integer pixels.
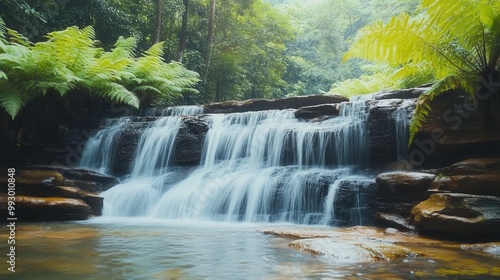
{"type": "Point", "coordinates": [353, 251]}
{"type": "Point", "coordinates": [492, 248]}
{"type": "Point", "coordinates": [459, 215]}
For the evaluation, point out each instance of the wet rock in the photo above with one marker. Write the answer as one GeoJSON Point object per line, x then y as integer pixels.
{"type": "Point", "coordinates": [353, 251]}
{"type": "Point", "coordinates": [354, 202]}
{"type": "Point", "coordinates": [492, 248]}
{"type": "Point", "coordinates": [48, 208]}
{"type": "Point", "coordinates": [382, 125]}
{"type": "Point", "coordinates": [394, 221]}
{"type": "Point", "coordinates": [405, 181]}
{"type": "Point", "coordinates": [101, 182]}
{"type": "Point", "coordinates": [472, 166]}
{"type": "Point", "coordinates": [126, 145]}
{"type": "Point", "coordinates": [401, 93]}
{"type": "Point", "coordinates": [47, 184]}
{"type": "Point", "coordinates": [311, 112]}
{"type": "Point", "coordinates": [266, 104]}
{"type": "Point", "coordinates": [94, 201]}
{"type": "Point", "coordinates": [398, 192]}
{"type": "Point", "coordinates": [33, 182]}
{"type": "Point", "coordinates": [458, 215]}
{"type": "Point", "coordinates": [190, 139]}
{"type": "Point", "coordinates": [482, 184]}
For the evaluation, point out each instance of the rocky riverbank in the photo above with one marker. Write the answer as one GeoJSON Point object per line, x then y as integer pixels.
{"type": "Point", "coordinates": [446, 184]}
{"type": "Point", "coordinates": [52, 193]}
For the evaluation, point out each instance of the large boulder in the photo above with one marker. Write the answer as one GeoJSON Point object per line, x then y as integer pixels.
{"type": "Point", "coordinates": [29, 208]}
{"type": "Point", "coordinates": [398, 192]}
{"type": "Point", "coordinates": [96, 182]}
{"type": "Point", "coordinates": [458, 215]}
{"type": "Point", "coordinates": [266, 104]}
{"type": "Point", "coordinates": [482, 184]}
{"type": "Point", "coordinates": [472, 166]}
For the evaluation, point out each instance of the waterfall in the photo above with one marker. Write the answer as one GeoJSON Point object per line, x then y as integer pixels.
{"type": "Point", "coordinates": [186, 110]}
{"type": "Point", "coordinates": [264, 166]}
{"type": "Point", "coordinates": [155, 149]}
{"type": "Point", "coordinates": [402, 127]}
{"type": "Point", "coordinates": [97, 153]}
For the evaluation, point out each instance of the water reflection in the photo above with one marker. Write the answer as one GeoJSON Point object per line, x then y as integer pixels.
{"type": "Point", "coordinates": [156, 249]}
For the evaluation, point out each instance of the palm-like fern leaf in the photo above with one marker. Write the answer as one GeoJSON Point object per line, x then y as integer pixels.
{"type": "Point", "coordinates": [453, 50]}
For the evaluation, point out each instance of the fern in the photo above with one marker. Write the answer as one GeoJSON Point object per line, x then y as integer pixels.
{"type": "Point", "coordinates": [453, 42]}
{"type": "Point", "coordinates": [70, 60]}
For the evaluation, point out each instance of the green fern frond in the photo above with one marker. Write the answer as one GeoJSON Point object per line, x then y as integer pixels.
{"type": "Point", "coordinates": [121, 94]}
{"type": "Point", "coordinates": [12, 99]}
{"type": "Point", "coordinates": [3, 30]}
{"type": "Point", "coordinates": [18, 38]}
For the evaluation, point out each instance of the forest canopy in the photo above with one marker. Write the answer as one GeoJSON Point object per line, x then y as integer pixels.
{"type": "Point", "coordinates": [250, 48]}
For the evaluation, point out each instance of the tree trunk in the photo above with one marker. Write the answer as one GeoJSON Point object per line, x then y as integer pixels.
{"type": "Point", "coordinates": [159, 4]}
{"type": "Point", "coordinates": [218, 92]}
{"type": "Point", "coordinates": [182, 35]}
{"type": "Point", "coordinates": [210, 38]}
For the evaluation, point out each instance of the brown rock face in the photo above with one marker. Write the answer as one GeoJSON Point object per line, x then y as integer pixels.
{"type": "Point", "coordinates": [459, 215]}
{"type": "Point", "coordinates": [47, 208]}
{"type": "Point", "coordinates": [265, 104]}
{"type": "Point", "coordinates": [473, 166]}
{"type": "Point", "coordinates": [398, 192]}
{"type": "Point", "coordinates": [311, 112]}
{"type": "Point", "coordinates": [482, 184]}
{"type": "Point", "coordinates": [94, 201]}
{"type": "Point", "coordinates": [45, 193]}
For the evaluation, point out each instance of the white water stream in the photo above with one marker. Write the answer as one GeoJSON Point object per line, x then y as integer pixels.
{"type": "Point", "coordinates": [256, 167]}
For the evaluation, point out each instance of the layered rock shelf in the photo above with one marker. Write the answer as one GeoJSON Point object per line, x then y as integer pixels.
{"type": "Point", "coordinates": [56, 193]}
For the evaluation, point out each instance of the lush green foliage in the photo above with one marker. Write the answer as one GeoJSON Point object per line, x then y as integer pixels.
{"type": "Point", "coordinates": [458, 41]}
{"type": "Point", "coordinates": [70, 60]}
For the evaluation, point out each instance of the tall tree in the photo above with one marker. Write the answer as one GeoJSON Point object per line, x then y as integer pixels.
{"type": "Point", "coordinates": [183, 33]}
{"type": "Point", "coordinates": [210, 37]}
{"type": "Point", "coordinates": [159, 7]}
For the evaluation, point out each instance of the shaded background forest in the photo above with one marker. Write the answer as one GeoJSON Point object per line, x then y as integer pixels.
{"type": "Point", "coordinates": [241, 48]}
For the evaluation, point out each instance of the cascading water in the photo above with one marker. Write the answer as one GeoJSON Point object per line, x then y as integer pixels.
{"type": "Point", "coordinates": [186, 110]}
{"type": "Point", "coordinates": [97, 153]}
{"type": "Point", "coordinates": [402, 129]}
{"type": "Point", "coordinates": [256, 167]}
